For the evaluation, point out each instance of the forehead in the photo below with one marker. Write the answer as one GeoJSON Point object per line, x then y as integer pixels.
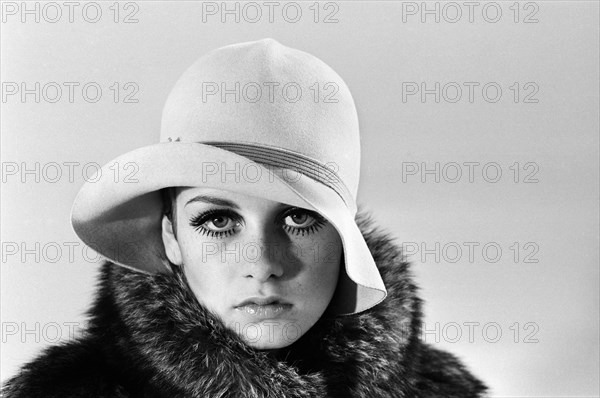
{"type": "Point", "coordinates": [190, 195]}
{"type": "Point", "coordinates": [190, 192]}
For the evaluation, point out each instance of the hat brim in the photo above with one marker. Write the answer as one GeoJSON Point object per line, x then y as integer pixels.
{"type": "Point", "coordinates": [118, 212]}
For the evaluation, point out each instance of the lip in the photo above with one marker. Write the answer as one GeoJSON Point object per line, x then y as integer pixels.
{"type": "Point", "coordinates": [267, 300]}
{"type": "Point", "coordinates": [264, 307]}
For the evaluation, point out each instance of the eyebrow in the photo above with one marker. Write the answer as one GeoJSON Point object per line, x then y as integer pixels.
{"type": "Point", "coordinates": [213, 200]}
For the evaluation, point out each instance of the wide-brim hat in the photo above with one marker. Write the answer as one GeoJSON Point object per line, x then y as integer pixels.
{"type": "Point", "coordinates": [255, 118]}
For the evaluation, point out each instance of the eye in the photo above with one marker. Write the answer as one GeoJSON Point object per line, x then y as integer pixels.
{"type": "Point", "coordinates": [301, 221]}
{"type": "Point", "coordinates": [216, 223]}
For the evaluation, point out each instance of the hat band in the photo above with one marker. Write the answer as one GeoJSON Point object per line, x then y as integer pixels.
{"type": "Point", "coordinates": [279, 157]}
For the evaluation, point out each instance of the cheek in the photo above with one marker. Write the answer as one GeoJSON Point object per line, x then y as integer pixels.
{"type": "Point", "coordinates": [209, 279]}
{"type": "Point", "coordinates": [322, 258]}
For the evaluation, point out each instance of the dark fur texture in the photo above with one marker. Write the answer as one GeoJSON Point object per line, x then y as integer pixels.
{"type": "Point", "coordinates": [149, 337]}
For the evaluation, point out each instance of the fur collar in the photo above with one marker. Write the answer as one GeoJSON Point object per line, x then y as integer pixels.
{"type": "Point", "coordinates": [188, 347]}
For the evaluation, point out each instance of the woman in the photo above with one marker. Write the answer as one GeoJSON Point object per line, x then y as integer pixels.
{"type": "Point", "coordinates": [246, 268]}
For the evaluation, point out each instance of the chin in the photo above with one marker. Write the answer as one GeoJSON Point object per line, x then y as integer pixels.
{"type": "Point", "coordinates": [269, 345]}
{"type": "Point", "coordinates": [270, 334]}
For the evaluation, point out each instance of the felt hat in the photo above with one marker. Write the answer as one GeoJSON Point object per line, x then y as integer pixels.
{"type": "Point", "coordinates": [256, 118]}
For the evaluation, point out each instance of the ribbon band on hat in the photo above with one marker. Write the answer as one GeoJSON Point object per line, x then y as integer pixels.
{"type": "Point", "coordinates": [284, 158]}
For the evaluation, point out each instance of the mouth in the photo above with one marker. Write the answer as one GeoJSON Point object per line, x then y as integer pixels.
{"type": "Point", "coordinates": [264, 307]}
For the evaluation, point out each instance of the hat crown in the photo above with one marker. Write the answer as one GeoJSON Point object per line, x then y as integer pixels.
{"type": "Point", "coordinates": [268, 94]}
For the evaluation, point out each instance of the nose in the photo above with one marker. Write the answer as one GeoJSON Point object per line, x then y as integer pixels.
{"type": "Point", "coordinates": [263, 260]}
{"type": "Point", "coordinates": [264, 271]}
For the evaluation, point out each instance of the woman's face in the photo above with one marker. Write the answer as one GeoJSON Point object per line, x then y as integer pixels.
{"type": "Point", "coordinates": [267, 269]}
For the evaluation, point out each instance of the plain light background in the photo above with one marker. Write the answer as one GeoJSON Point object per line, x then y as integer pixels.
{"type": "Point", "coordinates": [375, 52]}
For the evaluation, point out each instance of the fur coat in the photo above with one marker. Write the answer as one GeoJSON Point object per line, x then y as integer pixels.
{"type": "Point", "coordinates": [148, 336]}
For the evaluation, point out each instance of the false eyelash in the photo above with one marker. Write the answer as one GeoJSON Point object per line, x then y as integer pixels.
{"type": "Point", "coordinates": [318, 224]}
{"type": "Point", "coordinates": [304, 231]}
{"type": "Point", "coordinates": [199, 220]}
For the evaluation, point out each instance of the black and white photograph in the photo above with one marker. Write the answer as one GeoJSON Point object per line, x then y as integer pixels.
{"type": "Point", "coordinates": [297, 199]}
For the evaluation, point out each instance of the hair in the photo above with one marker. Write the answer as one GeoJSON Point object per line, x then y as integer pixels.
{"type": "Point", "coordinates": [169, 208]}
